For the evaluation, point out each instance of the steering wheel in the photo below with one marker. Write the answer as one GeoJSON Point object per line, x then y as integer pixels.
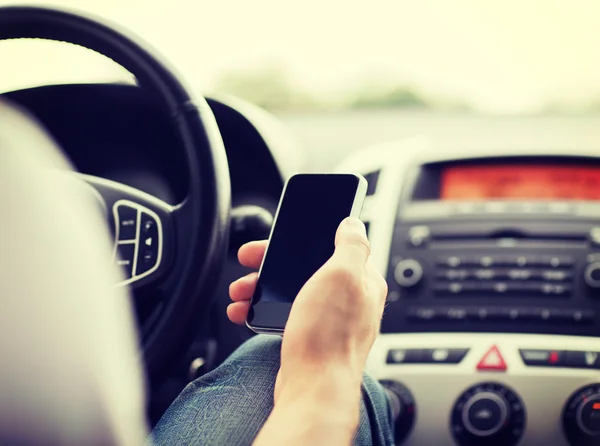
{"type": "Point", "coordinates": [177, 248]}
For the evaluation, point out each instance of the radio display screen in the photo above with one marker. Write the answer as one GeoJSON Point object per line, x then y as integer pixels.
{"type": "Point", "coordinates": [520, 182]}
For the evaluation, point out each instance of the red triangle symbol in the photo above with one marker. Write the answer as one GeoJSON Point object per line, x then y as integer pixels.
{"type": "Point", "coordinates": [493, 361]}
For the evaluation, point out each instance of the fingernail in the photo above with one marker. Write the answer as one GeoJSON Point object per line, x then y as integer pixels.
{"type": "Point", "coordinates": [354, 224]}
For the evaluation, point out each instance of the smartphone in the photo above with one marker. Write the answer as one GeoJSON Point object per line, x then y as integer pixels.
{"type": "Point", "coordinates": [311, 208]}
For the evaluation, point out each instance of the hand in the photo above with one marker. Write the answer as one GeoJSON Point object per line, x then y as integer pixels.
{"type": "Point", "coordinates": [334, 319]}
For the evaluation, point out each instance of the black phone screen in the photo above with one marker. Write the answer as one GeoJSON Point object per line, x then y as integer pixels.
{"type": "Point", "coordinates": [312, 207]}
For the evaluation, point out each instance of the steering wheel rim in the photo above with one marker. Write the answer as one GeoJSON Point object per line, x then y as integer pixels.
{"type": "Point", "coordinates": [201, 226]}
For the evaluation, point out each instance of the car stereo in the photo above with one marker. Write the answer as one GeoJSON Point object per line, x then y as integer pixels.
{"type": "Point", "coordinates": [497, 245]}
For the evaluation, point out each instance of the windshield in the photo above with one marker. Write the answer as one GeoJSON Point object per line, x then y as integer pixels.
{"type": "Point", "coordinates": [498, 57]}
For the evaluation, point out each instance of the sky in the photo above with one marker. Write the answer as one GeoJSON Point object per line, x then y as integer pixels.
{"type": "Point", "coordinates": [510, 56]}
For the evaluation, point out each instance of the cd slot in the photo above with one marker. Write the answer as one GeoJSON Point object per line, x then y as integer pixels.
{"type": "Point", "coordinates": [484, 232]}
{"type": "Point", "coordinates": [483, 243]}
{"type": "Point", "coordinates": [513, 236]}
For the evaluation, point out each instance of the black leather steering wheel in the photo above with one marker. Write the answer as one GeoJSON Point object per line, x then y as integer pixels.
{"type": "Point", "coordinates": [179, 248]}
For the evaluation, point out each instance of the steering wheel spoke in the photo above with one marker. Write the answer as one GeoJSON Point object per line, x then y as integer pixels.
{"type": "Point", "coordinates": [142, 226]}
{"type": "Point", "coordinates": [180, 249]}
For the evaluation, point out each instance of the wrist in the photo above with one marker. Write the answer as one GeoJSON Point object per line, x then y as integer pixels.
{"type": "Point", "coordinates": [328, 388]}
{"type": "Point", "coordinates": [317, 409]}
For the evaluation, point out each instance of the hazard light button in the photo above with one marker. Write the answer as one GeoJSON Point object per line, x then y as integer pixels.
{"type": "Point", "coordinates": [492, 361]}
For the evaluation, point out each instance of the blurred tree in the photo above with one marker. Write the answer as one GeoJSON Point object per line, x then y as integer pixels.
{"type": "Point", "coordinates": [394, 97]}
{"type": "Point", "coordinates": [270, 89]}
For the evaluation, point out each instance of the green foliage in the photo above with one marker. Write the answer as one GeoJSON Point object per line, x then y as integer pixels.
{"type": "Point", "coordinates": [395, 97]}
{"type": "Point", "coordinates": [269, 89]}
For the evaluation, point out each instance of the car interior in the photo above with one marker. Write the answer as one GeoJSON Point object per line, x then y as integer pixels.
{"type": "Point", "coordinates": [491, 332]}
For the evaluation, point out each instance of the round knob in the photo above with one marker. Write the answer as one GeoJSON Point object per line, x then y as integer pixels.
{"type": "Point", "coordinates": [408, 272]}
{"type": "Point", "coordinates": [484, 414]}
{"type": "Point", "coordinates": [488, 414]}
{"type": "Point", "coordinates": [581, 417]}
{"type": "Point", "coordinates": [591, 275]}
{"type": "Point", "coordinates": [403, 408]}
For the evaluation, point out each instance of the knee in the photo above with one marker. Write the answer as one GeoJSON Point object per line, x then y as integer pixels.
{"type": "Point", "coordinates": [260, 346]}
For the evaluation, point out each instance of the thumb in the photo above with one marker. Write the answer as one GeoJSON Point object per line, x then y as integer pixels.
{"type": "Point", "coordinates": [351, 243]}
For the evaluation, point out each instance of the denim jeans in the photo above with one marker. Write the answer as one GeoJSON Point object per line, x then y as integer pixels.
{"type": "Point", "coordinates": [230, 404]}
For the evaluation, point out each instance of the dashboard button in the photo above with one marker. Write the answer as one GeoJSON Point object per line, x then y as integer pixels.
{"type": "Point", "coordinates": [557, 261]}
{"type": "Point", "coordinates": [125, 254]}
{"type": "Point", "coordinates": [573, 316]}
{"type": "Point", "coordinates": [484, 274]}
{"type": "Point", "coordinates": [451, 261]}
{"type": "Point", "coordinates": [485, 414]}
{"type": "Point", "coordinates": [581, 416]}
{"type": "Point", "coordinates": [455, 314]}
{"type": "Point", "coordinates": [419, 236]}
{"type": "Point", "coordinates": [556, 275]}
{"type": "Point", "coordinates": [486, 261]}
{"type": "Point", "coordinates": [543, 358]}
{"type": "Point", "coordinates": [408, 272]}
{"type": "Point", "coordinates": [519, 274]}
{"type": "Point", "coordinates": [127, 223]}
{"type": "Point", "coordinates": [423, 314]}
{"type": "Point", "coordinates": [595, 237]}
{"type": "Point", "coordinates": [583, 359]}
{"type": "Point", "coordinates": [452, 274]}
{"type": "Point", "coordinates": [484, 314]}
{"type": "Point", "coordinates": [445, 355]}
{"type": "Point", "coordinates": [488, 414]}
{"type": "Point", "coordinates": [516, 260]}
{"type": "Point", "coordinates": [512, 314]}
{"type": "Point", "coordinates": [454, 288]}
{"type": "Point", "coordinates": [554, 289]}
{"type": "Point", "coordinates": [592, 275]}
{"type": "Point", "coordinates": [406, 356]}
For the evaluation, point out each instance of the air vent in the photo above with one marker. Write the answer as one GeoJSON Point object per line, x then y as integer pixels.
{"type": "Point", "coordinates": [371, 178]}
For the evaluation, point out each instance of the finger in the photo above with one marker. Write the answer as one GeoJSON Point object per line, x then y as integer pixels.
{"type": "Point", "coordinates": [378, 283]}
{"type": "Point", "coordinates": [251, 254]}
{"type": "Point", "coordinates": [237, 312]}
{"type": "Point", "coordinates": [243, 288]}
{"type": "Point", "coordinates": [351, 243]}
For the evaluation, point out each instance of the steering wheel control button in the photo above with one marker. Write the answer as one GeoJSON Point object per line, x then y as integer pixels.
{"type": "Point", "coordinates": [127, 222]}
{"type": "Point", "coordinates": [492, 361]}
{"type": "Point", "coordinates": [581, 417]}
{"type": "Point", "coordinates": [125, 258]}
{"type": "Point", "coordinates": [543, 358]}
{"type": "Point", "coordinates": [488, 414]}
{"type": "Point", "coordinates": [408, 272]}
{"type": "Point", "coordinates": [149, 243]}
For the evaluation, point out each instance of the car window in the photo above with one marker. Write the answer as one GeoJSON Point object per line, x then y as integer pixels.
{"type": "Point", "coordinates": [505, 57]}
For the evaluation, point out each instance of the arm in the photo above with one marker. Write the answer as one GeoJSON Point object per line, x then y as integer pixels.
{"type": "Point", "coordinates": [332, 325]}
{"type": "Point", "coordinates": [319, 410]}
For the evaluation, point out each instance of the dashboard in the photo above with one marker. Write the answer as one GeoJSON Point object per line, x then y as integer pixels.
{"type": "Point", "coordinates": [491, 334]}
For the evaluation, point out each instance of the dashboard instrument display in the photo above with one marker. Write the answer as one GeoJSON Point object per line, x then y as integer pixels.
{"type": "Point", "coordinates": [520, 182]}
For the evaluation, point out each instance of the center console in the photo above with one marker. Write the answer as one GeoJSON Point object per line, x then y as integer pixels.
{"type": "Point", "coordinates": [497, 245]}
{"type": "Point", "coordinates": [492, 322]}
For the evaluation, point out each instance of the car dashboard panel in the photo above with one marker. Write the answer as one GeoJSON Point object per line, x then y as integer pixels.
{"type": "Point", "coordinates": [492, 326]}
